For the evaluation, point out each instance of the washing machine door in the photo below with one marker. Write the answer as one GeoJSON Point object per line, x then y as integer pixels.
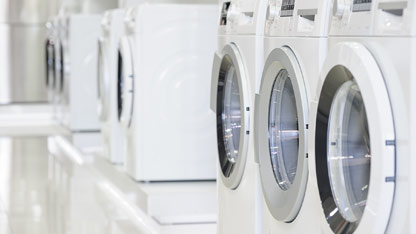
{"type": "Point", "coordinates": [354, 142]}
{"type": "Point", "coordinates": [103, 81]}
{"type": "Point", "coordinates": [280, 134]}
{"type": "Point", "coordinates": [61, 68]}
{"type": "Point", "coordinates": [50, 67]}
{"type": "Point", "coordinates": [49, 61]}
{"type": "Point", "coordinates": [232, 109]}
{"type": "Point", "coordinates": [125, 89]}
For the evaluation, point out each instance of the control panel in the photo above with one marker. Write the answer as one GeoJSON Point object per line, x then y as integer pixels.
{"type": "Point", "coordinates": [224, 13]}
{"type": "Point", "coordinates": [352, 17]}
{"type": "Point", "coordinates": [361, 5]}
{"type": "Point", "coordinates": [287, 8]}
{"type": "Point", "coordinates": [237, 13]}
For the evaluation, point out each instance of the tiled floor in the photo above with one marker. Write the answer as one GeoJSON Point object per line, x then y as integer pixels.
{"type": "Point", "coordinates": [44, 193]}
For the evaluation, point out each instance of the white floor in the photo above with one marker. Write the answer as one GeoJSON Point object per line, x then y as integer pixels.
{"type": "Point", "coordinates": [48, 186]}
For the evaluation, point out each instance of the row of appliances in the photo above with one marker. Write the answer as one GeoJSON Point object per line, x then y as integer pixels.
{"type": "Point", "coordinates": [315, 102]}
{"type": "Point", "coordinates": [144, 69]}
{"type": "Point", "coordinates": [71, 55]}
{"type": "Point", "coordinates": [306, 111]}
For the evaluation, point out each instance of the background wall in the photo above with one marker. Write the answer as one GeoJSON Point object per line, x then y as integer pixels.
{"type": "Point", "coordinates": [22, 43]}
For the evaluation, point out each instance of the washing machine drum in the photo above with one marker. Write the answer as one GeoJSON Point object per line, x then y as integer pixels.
{"type": "Point", "coordinates": [281, 114]}
{"type": "Point", "coordinates": [232, 116]}
{"type": "Point", "coordinates": [354, 144]}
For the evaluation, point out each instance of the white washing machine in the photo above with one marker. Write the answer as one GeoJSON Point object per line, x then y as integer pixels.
{"type": "Point", "coordinates": [237, 68]}
{"type": "Point", "coordinates": [296, 38]}
{"type": "Point", "coordinates": [165, 60]}
{"type": "Point", "coordinates": [112, 29]}
{"type": "Point", "coordinates": [78, 85]}
{"type": "Point", "coordinates": [361, 118]}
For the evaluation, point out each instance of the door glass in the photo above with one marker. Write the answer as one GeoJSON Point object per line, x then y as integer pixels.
{"type": "Point", "coordinates": [48, 61]}
{"type": "Point", "coordinates": [283, 130]}
{"type": "Point", "coordinates": [349, 154]}
{"type": "Point", "coordinates": [52, 72]}
{"type": "Point", "coordinates": [120, 76]}
{"type": "Point", "coordinates": [231, 115]}
{"type": "Point", "coordinates": [62, 68]}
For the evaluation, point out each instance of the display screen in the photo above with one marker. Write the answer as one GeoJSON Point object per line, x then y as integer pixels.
{"type": "Point", "coordinates": [361, 5]}
{"type": "Point", "coordinates": [224, 12]}
{"type": "Point", "coordinates": [287, 8]}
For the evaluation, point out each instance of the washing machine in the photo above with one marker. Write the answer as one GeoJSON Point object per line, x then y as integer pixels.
{"type": "Point", "coordinates": [362, 118]}
{"type": "Point", "coordinates": [236, 73]}
{"type": "Point", "coordinates": [165, 62]}
{"type": "Point", "coordinates": [295, 46]}
{"type": "Point", "coordinates": [111, 31]}
{"type": "Point", "coordinates": [77, 84]}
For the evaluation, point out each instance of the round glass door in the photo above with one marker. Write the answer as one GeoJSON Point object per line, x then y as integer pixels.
{"type": "Point", "coordinates": [349, 151]}
{"type": "Point", "coordinates": [232, 117]}
{"type": "Point", "coordinates": [354, 142]}
{"type": "Point", "coordinates": [52, 79]}
{"type": "Point", "coordinates": [62, 68]}
{"type": "Point", "coordinates": [283, 130]}
{"type": "Point", "coordinates": [125, 89]}
{"type": "Point", "coordinates": [347, 163]}
{"type": "Point", "coordinates": [49, 62]}
{"type": "Point", "coordinates": [282, 111]}
{"type": "Point", "coordinates": [120, 75]}
{"type": "Point", "coordinates": [50, 68]}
